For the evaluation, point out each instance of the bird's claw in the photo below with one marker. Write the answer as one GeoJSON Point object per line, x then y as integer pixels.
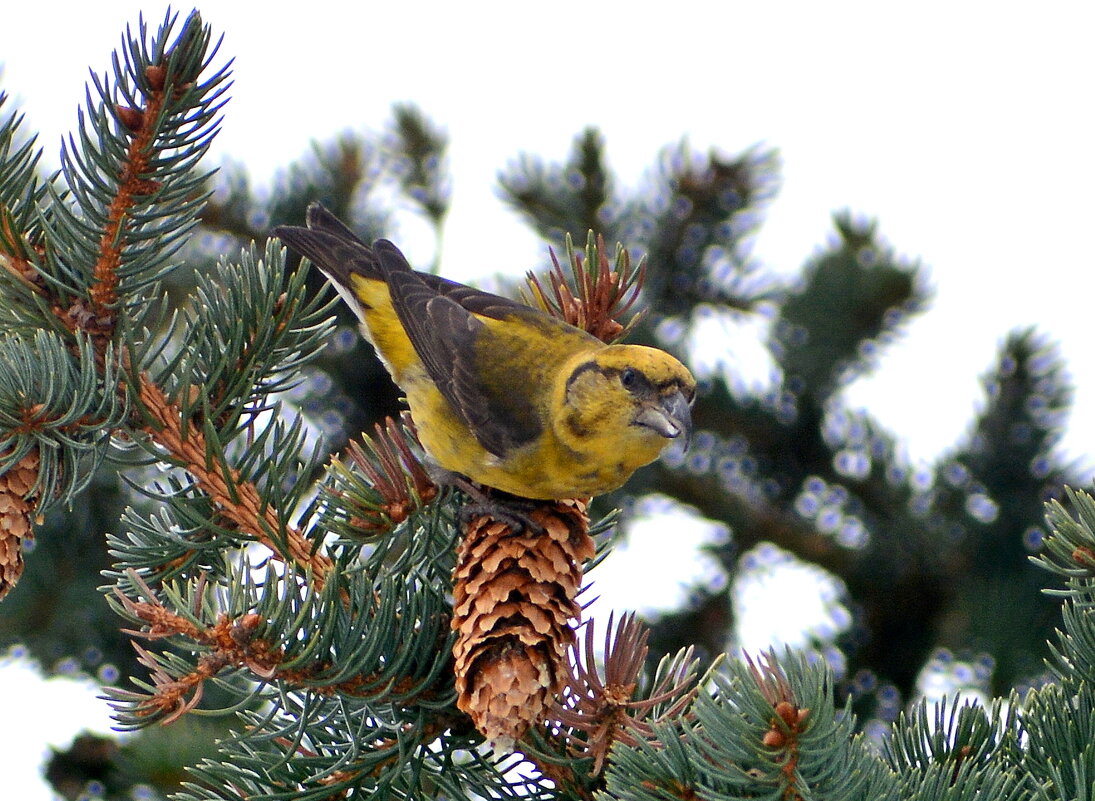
{"type": "Point", "coordinates": [516, 513]}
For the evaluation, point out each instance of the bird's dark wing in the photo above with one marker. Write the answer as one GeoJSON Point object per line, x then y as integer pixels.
{"type": "Point", "coordinates": [445, 333]}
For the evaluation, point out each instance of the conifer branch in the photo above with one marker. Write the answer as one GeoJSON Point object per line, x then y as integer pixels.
{"type": "Point", "coordinates": [237, 500]}
{"type": "Point", "coordinates": [602, 704]}
{"type": "Point", "coordinates": [342, 778]}
{"type": "Point", "coordinates": [594, 300]}
{"type": "Point", "coordinates": [392, 484]}
{"type": "Point", "coordinates": [248, 641]}
{"type": "Point", "coordinates": [141, 122]}
{"type": "Point", "coordinates": [164, 123]}
{"type": "Point", "coordinates": [786, 723]}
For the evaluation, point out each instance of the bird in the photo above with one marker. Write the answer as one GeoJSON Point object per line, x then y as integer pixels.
{"type": "Point", "coordinates": [503, 394]}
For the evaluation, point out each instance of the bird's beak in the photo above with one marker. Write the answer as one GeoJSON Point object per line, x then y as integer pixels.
{"type": "Point", "coordinates": [670, 416]}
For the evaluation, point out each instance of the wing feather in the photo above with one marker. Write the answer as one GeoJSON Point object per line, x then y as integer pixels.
{"type": "Point", "coordinates": [447, 337]}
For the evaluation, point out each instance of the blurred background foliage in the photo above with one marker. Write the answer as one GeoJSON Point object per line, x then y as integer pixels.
{"type": "Point", "coordinates": [916, 563]}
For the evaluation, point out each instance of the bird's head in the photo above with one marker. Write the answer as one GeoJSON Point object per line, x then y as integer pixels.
{"type": "Point", "coordinates": [630, 397]}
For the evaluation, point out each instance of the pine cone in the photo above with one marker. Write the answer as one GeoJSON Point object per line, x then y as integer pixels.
{"type": "Point", "coordinates": [17, 506]}
{"type": "Point", "coordinates": [514, 600]}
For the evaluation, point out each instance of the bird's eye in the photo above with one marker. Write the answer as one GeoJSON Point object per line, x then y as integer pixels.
{"type": "Point", "coordinates": [629, 378]}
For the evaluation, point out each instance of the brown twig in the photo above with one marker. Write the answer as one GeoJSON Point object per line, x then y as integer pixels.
{"type": "Point", "coordinates": [238, 500]}
{"type": "Point", "coordinates": [787, 722]}
{"type": "Point", "coordinates": [14, 256]}
{"type": "Point", "coordinates": [142, 124]}
{"type": "Point", "coordinates": [231, 642]}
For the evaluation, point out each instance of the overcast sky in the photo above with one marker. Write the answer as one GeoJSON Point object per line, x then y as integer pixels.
{"type": "Point", "coordinates": [966, 129]}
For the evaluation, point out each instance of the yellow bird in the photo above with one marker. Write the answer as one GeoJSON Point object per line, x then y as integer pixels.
{"type": "Point", "coordinates": [502, 393]}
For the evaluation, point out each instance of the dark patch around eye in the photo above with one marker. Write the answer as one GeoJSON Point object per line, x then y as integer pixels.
{"type": "Point", "coordinates": [634, 381]}
{"type": "Point", "coordinates": [582, 368]}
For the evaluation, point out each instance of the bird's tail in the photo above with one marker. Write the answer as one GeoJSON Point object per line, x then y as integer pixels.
{"type": "Point", "coordinates": [331, 246]}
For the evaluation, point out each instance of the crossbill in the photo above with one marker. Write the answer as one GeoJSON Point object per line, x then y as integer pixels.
{"type": "Point", "coordinates": [501, 393]}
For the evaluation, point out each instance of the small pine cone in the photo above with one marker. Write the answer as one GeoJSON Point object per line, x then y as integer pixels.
{"type": "Point", "coordinates": [16, 518]}
{"type": "Point", "coordinates": [514, 599]}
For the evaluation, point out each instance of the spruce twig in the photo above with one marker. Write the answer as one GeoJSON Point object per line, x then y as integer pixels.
{"type": "Point", "coordinates": [602, 703]}
{"type": "Point", "coordinates": [595, 300]}
{"type": "Point", "coordinates": [239, 501]}
{"type": "Point", "coordinates": [392, 483]}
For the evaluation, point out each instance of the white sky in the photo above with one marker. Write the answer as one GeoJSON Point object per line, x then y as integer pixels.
{"type": "Point", "coordinates": [965, 128]}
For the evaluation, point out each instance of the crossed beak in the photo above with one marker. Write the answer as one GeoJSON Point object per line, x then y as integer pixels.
{"type": "Point", "coordinates": [670, 415]}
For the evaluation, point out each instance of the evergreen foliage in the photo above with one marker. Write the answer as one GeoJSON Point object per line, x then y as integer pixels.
{"type": "Point", "coordinates": [188, 404]}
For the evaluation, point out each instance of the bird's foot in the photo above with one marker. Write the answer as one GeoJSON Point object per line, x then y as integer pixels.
{"type": "Point", "coordinates": [511, 510]}
{"type": "Point", "coordinates": [514, 512]}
